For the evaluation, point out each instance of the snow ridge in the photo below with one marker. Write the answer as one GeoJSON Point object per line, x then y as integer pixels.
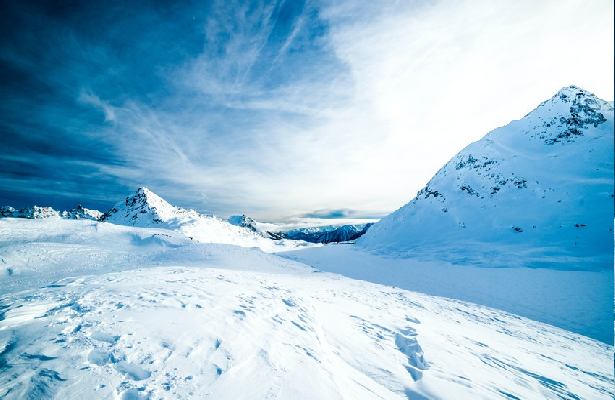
{"type": "Point", "coordinates": [80, 212]}
{"type": "Point", "coordinates": [34, 212]}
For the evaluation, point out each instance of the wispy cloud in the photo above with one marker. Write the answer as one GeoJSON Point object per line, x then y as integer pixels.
{"type": "Point", "coordinates": [277, 108]}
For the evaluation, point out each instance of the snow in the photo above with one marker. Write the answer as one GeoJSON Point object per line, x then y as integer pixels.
{"type": "Point", "coordinates": [578, 301]}
{"type": "Point", "coordinates": [535, 193]}
{"type": "Point", "coordinates": [109, 327]}
{"type": "Point", "coordinates": [179, 319]}
{"type": "Point", "coordinates": [37, 252]}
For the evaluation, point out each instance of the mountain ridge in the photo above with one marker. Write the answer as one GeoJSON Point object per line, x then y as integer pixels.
{"type": "Point", "coordinates": [539, 190]}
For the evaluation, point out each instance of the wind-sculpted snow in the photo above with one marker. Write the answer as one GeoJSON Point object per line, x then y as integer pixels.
{"type": "Point", "coordinates": [537, 192]}
{"type": "Point", "coordinates": [176, 332]}
{"type": "Point", "coordinates": [574, 300]}
{"type": "Point", "coordinates": [36, 252]}
{"type": "Point", "coordinates": [179, 319]}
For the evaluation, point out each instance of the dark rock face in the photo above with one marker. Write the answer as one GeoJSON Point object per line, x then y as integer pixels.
{"type": "Point", "coordinates": [583, 113]}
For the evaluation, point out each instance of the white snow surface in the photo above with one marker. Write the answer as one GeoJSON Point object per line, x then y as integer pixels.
{"type": "Point", "coordinates": [537, 192]}
{"type": "Point", "coordinates": [146, 209]}
{"type": "Point", "coordinates": [576, 300]}
{"type": "Point", "coordinates": [177, 319]}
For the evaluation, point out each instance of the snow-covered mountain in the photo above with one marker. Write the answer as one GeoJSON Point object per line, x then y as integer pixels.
{"type": "Point", "coordinates": [327, 233]}
{"type": "Point", "coordinates": [148, 210]}
{"type": "Point", "coordinates": [261, 228]}
{"type": "Point", "coordinates": [145, 209]}
{"type": "Point", "coordinates": [313, 234]}
{"type": "Point", "coordinates": [244, 221]}
{"type": "Point", "coordinates": [80, 212]}
{"type": "Point", "coordinates": [536, 192]}
{"type": "Point", "coordinates": [34, 212]}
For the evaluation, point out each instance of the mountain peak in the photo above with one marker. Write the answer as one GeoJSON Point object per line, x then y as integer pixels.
{"type": "Point", "coordinates": [146, 192]}
{"type": "Point", "coordinates": [567, 115]}
{"type": "Point", "coordinates": [545, 181]}
{"type": "Point", "coordinates": [143, 208]}
{"type": "Point", "coordinates": [572, 92]}
{"type": "Point", "coordinates": [80, 212]}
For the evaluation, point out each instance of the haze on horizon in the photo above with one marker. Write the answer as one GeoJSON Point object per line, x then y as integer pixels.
{"type": "Point", "coordinates": [274, 109]}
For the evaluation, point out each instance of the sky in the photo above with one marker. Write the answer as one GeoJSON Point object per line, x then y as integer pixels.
{"type": "Point", "coordinates": [274, 109]}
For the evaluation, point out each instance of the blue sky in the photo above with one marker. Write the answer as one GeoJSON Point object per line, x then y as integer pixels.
{"type": "Point", "coordinates": [273, 108]}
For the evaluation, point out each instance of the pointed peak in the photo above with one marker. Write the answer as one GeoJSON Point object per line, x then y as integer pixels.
{"type": "Point", "coordinates": [565, 100]}
{"type": "Point", "coordinates": [145, 194]}
{"type": "Point", "coordinates": [572, 92]}
{"type": "Point", "coordinates": [144, 190]}
{"type": "Point", "coordinates": [570, 88]}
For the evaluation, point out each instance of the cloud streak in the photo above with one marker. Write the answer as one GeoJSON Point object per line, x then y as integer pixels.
{"type": "Point", "coordinates": [279, 108]}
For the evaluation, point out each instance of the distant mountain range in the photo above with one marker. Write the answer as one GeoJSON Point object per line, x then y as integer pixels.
{"type": "Point", "coordinates": [36, 212]}
{"type": "Point", "coordinates": [327, 233]}
{"type": "Point", "coordinates": [146, 209]}
{"type": "Point", "coordinates": [536, 192]}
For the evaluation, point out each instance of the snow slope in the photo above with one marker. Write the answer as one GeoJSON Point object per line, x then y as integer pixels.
{"type": "Point", "coordinates": [180, 319]}
{"type": "Point", "coordinates": [147, 209]}
{"type": "Point", "coordinates": [576, 300]}
{"type": "Point", "coordinates": [537, 192]}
